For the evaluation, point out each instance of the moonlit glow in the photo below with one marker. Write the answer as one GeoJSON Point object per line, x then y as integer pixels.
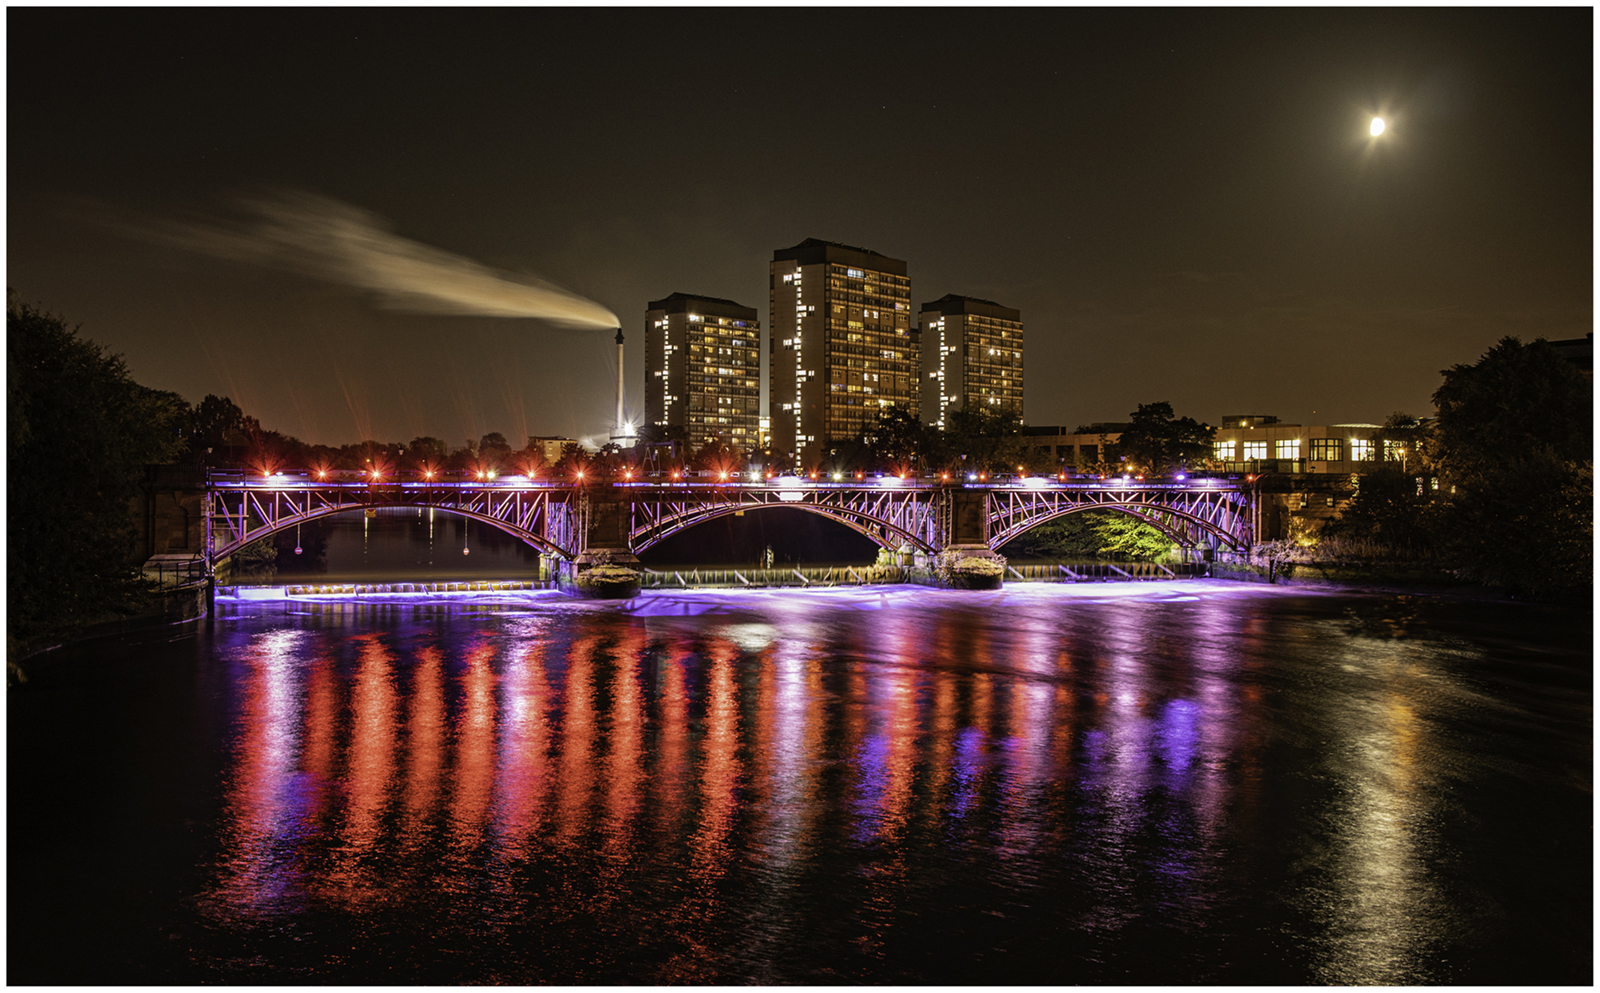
{"type": "Point", "coordinates": [1377, 126]}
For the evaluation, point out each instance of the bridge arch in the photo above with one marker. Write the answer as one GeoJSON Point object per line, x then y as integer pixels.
{"type": "Point", "coordinates": [882, 533]}
{"type": "Point", "coordinates": [285, 521]}
{"type": "Point", "coordinates": [1189, 530]}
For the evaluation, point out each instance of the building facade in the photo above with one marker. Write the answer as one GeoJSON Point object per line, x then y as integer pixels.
{"type": "Point", "coordinates": [842, 345]}
{"type": "Point", "coordinates": [1244, 443]}
{"type": "Point", "coordinates": [971, 357]}
{"type": "Point", "coordinates": [702, 369]}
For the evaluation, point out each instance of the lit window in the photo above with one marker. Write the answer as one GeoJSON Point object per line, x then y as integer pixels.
{"type": "Point", "coordinates": [1223, 450]}
{"type": "Point", "coordinates": [1289, 449]}
{"type": "Point", "coordinates": [1361, 449]}
{"type": "Point", "coordinates": [1255, 450]}
{"type": "Point", "coordinates": [1327, 449]}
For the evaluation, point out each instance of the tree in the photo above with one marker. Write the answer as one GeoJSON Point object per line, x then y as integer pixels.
{"type": "Point", "coordinates": [1388, 509]}
{"type": "Point", "coordinates": [1125, 536]}
{"type": "Point", "coordinates": [1092, 534]}
{"type": "Point", "coordinates": [493, 448]}
{"type": "Point", "coordinates": [1513, 448]}
{"type": "Point", "coordinates": [896, 439]}
{"type": "Point", "coordinates": [715, 456]}
{"type": "Point", "coordinates": [573, 460]}
{"type": "Point", "coordinates": [216, 423]}
{"type": "Point", "coordinates": [980, 440]}
{"type": "Point", "coordinates": [80, 432]}
{"type": "Point", "coordinates": [1157, 443]}
{"type": "Point", "coordinates": [428, 449]}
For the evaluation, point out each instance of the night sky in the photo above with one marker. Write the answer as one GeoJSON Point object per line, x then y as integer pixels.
{"type": "Point", "coordinates": [1185, 205]}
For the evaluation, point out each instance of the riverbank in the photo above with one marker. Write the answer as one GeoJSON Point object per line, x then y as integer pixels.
{"type": "Point", "coordinates": [1417, 580]}
{"type": "Point", "coordinates": [167, 607]}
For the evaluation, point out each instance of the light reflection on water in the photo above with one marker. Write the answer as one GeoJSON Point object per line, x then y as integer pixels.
{"type": "Point", "coordinates": [1174, 783]}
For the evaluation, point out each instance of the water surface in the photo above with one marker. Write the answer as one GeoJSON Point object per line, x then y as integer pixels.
{"type": "Point", "coordinates": [1174, 782]}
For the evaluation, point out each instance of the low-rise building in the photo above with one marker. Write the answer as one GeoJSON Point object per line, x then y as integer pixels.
{"type": "Point", "coordinates": [549, 447]}
{"type": "Point", "coordinates": [1244, 443]}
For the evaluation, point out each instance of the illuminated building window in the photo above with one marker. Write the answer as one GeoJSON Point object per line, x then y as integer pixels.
{"type": "Point", "coordinates": [1361, 449]}
{"type": "Point", "coordinates": [1289, 449]}
{"type": "Point", "coordinates": [1223, 450]}
{"type": "Point", "coordinates": [1255, 450]}
{"type": "Point", "coordinates": [1327, 449]}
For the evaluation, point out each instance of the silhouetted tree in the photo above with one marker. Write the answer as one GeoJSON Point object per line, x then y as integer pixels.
{"type": "Point", "coordinates": [896, 440]}
{"type": "Point", "coordinates": [1514, 441]}
{"type": "Point", "coordinates": [1157, 443]}
{"type": "Point", "coordinates": [980, 440]}
{"type": "Point", "coordinates": [80, 432]}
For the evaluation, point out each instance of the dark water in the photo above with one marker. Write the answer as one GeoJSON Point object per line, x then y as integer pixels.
{"type": "Point", "coordinates": [1117, 783]}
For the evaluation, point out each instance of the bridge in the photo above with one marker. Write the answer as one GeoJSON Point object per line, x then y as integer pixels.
{"type": "Point", "coordinates": [569, 521]}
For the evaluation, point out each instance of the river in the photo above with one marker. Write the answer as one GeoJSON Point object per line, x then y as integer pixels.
{"type": "Point", "coordinates": [1182, 782]}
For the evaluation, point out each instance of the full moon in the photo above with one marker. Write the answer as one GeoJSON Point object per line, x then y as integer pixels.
{"type": "Point", "coordinates": [1377, 126]}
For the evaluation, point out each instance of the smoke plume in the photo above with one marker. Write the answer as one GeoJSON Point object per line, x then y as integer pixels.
{"type": "Point", "coordinates": [333, 241]}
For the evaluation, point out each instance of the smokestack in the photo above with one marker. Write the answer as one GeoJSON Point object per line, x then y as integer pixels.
{"type": "Point", "coordinates": [622, 426]}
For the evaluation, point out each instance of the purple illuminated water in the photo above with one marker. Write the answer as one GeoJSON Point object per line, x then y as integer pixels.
{"type": "Point", "coordinates": [1111, 783]}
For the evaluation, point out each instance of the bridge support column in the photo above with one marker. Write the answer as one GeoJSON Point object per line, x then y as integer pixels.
{"type": "Point", "coordinates": [606, 567]}
{"type": "Point", "coordinates": [969, 517]}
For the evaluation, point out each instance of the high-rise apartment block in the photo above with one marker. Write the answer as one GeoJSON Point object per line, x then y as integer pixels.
{"type": "Point", "coordinates": [842, 345]}
{"type": "Point", "coordinates": [703, 369]}
{"type": "Point", "coordinates": [971, 357]}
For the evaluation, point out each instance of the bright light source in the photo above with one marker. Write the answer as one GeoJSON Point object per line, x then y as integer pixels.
{"type": "Point", "coordinates": [1377, 126]}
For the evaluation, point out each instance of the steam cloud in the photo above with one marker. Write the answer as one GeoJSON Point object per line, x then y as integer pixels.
{"type": "Point", "coordinates": [333, 241]}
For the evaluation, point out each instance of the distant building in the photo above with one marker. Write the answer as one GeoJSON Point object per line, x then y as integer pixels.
{"type": "Point", "coordinates": [1244, 443]}
{"type": "Point", "coordinates": [971, 357]}
{"type": "Point", "coordinates": [550, 448]}
{"type": "Point", "coordinates": [842, 345]}
{"type": "Point", "coordinates": [703, 369]}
